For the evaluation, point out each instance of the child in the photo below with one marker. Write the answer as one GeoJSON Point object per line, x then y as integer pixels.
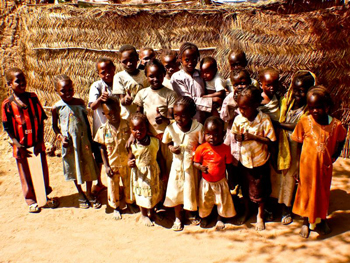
{"type": "Point", "coordinates": [100, 91]}
{"type": "Point", "coordinates": [188, 82]}
{"type": "Point", "coordinates": [157, 103]}
{"type": "Point", "coordinates": [145, 54]}
{"type": "Point", "coordinates": [144, 156]}
{"type": "Point", "coordinates": [269, 79]}
{"type": "Point", "coordinates": [128, 82]}
{"type": "Point", "coordinates": [23, 119]}
{"type": "Point", "coordinates": [213, 83]}
{"type": "Point", "coordinates": [322, 139]}
{"type": "Point", "coordinates": [112, 136]}
{"type": "Point", "coordinates": [293, 107]}
{"type": "Point", "coordinates": [183, 137]}
{"type": "Point", "coordinates": [212, 158]}
{"type": "Point", "coordinates": [171, 64]}
{"type": "Point", "coordinates": [255, 132]}
{"type": "Point", "coordinates": [74, 133]}
{"type": "Point", "coordinates": [240, 79]}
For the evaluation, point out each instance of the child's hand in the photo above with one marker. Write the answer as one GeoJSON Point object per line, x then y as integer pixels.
{"type": "Point", "coordinates": [65, 141]}
{"type": "Point", "coordinates": [296, 177]}
{"type": "Point", "coordinates": [204, 169]}
{"type": "Point", "coordinates": [160, 118]}
{"type": "Point", "coordinates": [175, 149]}
{"type": "Point", "coordinates": [239, 137]}
{"type": "Point", "coordinates": [217, 102]}
{"type": "Point", "coordinates": [104, 96]}
{"type": "Point", "coordinates": [248, 136]}
{"type": "Point", "coordinates": [132, 163]}
{"type": "Point", "coordinates": [109, 172]}
{"type": "Point", "coordinates": [127, 99]}
{"type": "Point", "coordinates": [38, 148]}
{"type": "Point", "coordinates": [23, 152]}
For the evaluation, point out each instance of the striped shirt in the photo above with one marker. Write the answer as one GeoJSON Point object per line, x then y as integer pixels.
{"type": "Point", "coordinates": [26, 123]}
{"type": "Point", "coordinates": [254, 153]}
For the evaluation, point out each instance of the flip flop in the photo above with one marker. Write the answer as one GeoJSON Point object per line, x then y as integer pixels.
{"type": "Point", "coordinates": [287, 219]}
{"type": "Point", "coordinates": [94, 202]}
{"type": "Point", "coordinates": [52, 203]}
{"type": "Point", "coordinates": [34, 208]}
{"type": "Point", "coordinates": [84, 204]}
{"type": "Point", "coordinates": [177, 226]}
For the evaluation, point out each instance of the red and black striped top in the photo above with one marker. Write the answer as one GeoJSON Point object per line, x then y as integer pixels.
{"type": "Point", "coordinates": [25, 122]}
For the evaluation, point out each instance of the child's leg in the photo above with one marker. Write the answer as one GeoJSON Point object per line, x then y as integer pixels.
{"type": "Point", "coordinates": [92, 199]}
{"type": "Point", "coordinates": [98, 158]}
{"type": "Point", "coordinates": [260, 224]}
{"type": "Point", "coordinates": [26, 181]}
{"type": "Point", "coordinates": [305, 230]}
{"type": "Point", "coordinates": [220, 225]}
{"type": "Point", "coordinates": [286, 215]}
{"type": "Point", "coordinates": [83, 201]}
{"type": "Point", "coordinates": [113, 195]}
{"type": "Point", "coordinates": [324, 227]}
{"type": "Point", "coordinates": [177, 224]}
{"type": "Point", "coordinates": [45, 173]}
{"type": "Point", "coordinates": [241, 220]}
{"type": "Point", "coordinates": [145, 217]}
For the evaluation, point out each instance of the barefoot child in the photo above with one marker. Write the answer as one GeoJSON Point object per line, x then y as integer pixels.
{"type": "Point", "coordinates": [214, 84]}
{"type": "Point", "coordinates": [293, 107]}
{"type": "Point", "coordinates": [188, 82]}
{"type": "Point", "coordinates": [213, 158]}
{"type": "Point", "coordinates": [322, 139]}
{"type": "Point", "coordinates": [145, 54]}
{"type": "Point", "coordinates": [144, 157]}
{"type": "Point", "coordinates": [70, 123]}
{"type": "Point", "coordinates": [169, 60]}
{"type": "Point", "coordinates": [157, 103]}
{"type": "Point", "coordinates": [99, 92]}
{"type": "Point", "coordinates": [128, 82]}
{"type": "Point", "coordinates": [23, 119]}
{"type": "Point", "coordinates": [255, 132]}
{"type": "Point", "coordinates": [112, 136]}
{"type": "Point", "coordinates": [182, 137]}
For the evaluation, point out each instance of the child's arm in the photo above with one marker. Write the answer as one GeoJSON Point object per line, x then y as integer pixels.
{"type": "Point", "coordinates": [126, 99]}
{"type": "Point", "coordinates": [284, 126]}
{"type": "Point", "coordinates": [338, 148]}
{"type": "Point", "coordinates": [57, 130]}
{"type": "Point", "coordinates": [220, 94]}
{"type": "Point", "coordinates": [131, 157]}
{"type": "Point", "coordinates": [174, 149]}
{"type": "Point", "coordinates": [139, 109]}
{"type": "Point", "coordinates": [162, 166]}
{"type": "Point", "coordinates": [160, 118]}
{"type": "Point", "coordinates": [95, 99]}
{"type": "Point", "coordinates": [200, 167]}
{"type": "Point", "coordinates": [105, 161]}
{"type": "Point", "coordinates": [251, 137]}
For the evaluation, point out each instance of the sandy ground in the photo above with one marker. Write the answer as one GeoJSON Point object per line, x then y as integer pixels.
{"type": "Point", "coordinates": [70, 234]}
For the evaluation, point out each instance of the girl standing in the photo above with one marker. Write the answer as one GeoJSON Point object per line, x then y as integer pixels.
{"type": "Point", "coordinates": [322, 139]}
{"type": "Point", "coordinates": [182, 137]}
{"type": "Point", "coordinates": [74, 133]}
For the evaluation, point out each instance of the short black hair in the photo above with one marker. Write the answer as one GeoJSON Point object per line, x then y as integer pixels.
{"type": "Point", "coordinates": [128, 48]}
{"type": "Point", "coordinates": [106, 60]}
{"type": "Point", "coordinates": [189, 104]}
{"type": "Point", "coordinates": [168, 52]}
{"type": "Point", "coordinates": [305, 78]}
{"type": "Point", "coordinates": [210, 60]}
{"type": "Point", "coordinates": [156, 63]}
{"type": "Point", "coordinates": [320, 91]}
{"type": "Point", "coordinates": [62, 77]}
{"type": "Point", "coordinates": [253, 93]}
{"type": "Point", "coordinates": [185, 46]}
{"type": "Point", "coordinates": [9, 74]}
{"type": "Point", "coordinates": [216, 121]}
{"type": "Point", "coordinates": [112, 102]}
{"type": "Point", "coordinates": [238, 71]}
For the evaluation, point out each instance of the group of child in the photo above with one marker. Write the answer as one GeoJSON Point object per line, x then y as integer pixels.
{"type": "Point", "coordinates": [174, 136]}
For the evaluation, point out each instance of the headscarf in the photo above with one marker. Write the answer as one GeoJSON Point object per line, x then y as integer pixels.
{"type": "Point", "coordinates": [287, 102]}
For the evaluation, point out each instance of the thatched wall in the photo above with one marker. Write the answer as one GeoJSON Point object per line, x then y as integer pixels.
{"type": "Point", "coordinates": [283, 34]}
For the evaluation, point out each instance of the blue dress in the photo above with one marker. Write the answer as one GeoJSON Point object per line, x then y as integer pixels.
{"type": "Point", "coordinates": [78, 161]}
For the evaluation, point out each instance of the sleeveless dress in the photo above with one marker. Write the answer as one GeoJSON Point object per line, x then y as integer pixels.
{"type": "Point", "coordinates": [78, 162]}
{"type": "Point", "coordinates": [145, 176]}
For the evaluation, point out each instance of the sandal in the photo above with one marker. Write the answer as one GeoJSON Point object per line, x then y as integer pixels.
{"type": "Point", "coordinates": [177, 226]}
{"type": "Point", "coordinates": [52, 203]}
{"type": "Point", "coordinates": [34, 208]}
{"type": "Point", "coordinates": [84, 204]}
{"type": "Point", "coordinates": [94, 202]}
{"type": "Point", "coordinates": [287, 219]}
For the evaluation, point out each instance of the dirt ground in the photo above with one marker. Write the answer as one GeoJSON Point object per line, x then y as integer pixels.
{"type": "Point", "coordinates": [70, 234]}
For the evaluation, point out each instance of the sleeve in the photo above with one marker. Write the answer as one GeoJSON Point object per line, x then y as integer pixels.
{"type": "Point", "coordinates": [201, 136]}
{"type": "Point", "coordinates": [235, 128]}
{"type": "Point", "coordinates": [198, 157]}
{"type": "Point", "coordinates": [269, 131]}
{"type": "Point", "coordinates": [138, 98]}
{"type": "Point", "coordinates": [219, 83]}
{"type": "Point", "coordinates": [99, 137]}
{"type": "Point", "coordinates": [36, 102]}
{"type": "Point", "coordinates": [6, 117]}
{"type": "Point", "coordinates": [203, 104]}
{"type": "Point", "coordinates": [171, 100]}
{"type": "Point", "coordinates": [167, 138]}
{"type": "Point", "coordinates": [341, 134]}
{"type": "Point", "coordinates": [227, 113]}
{"type": "Point", "coordinates": [228, 155]}
{"type": "Point", "coordinates": [118, 87]}
{"type": "Point", "coordinates": [298, 133]}
{"type": "Point", "coordinates": [94, 93]}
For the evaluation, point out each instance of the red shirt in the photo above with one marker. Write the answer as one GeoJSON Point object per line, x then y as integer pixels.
{"type": "Point", "coordinates": [25, 123]}
{"type": "Point", "coordinates": [216, 158]}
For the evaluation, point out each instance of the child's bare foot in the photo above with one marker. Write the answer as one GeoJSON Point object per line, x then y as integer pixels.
{"type": "Point", "coordinates": [117, 215]}
{"type": "Point", "coordinates": [204, 222]}
{"type": "Point", "coordinates": [146, 221]}
{"type": "Point", "coordinates": [260, 224]}
{"type": "Point", "coordinates": [177, 226]}
{"type": "Point", "coordinates": [220, 225]}
{"type": "Point", "coordinates": [305, 231]}
{"type": "Point", "coordinates": [133, 208]}
{"type": "Point", "coordinates": [324, 227]}
{"type": "Point", "coordinates": [242, 219]}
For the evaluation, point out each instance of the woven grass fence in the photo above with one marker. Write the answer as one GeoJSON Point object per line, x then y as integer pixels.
{"type": "Point", "coordinates": [68, 40]}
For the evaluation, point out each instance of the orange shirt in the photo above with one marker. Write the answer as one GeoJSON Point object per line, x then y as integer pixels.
{"type": "Point", "coordinates": [216, 158]}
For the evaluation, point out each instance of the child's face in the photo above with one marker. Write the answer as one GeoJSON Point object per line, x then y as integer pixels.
{"type": "Point", "coordinates": [170, 64]}
{"type": "Point", "coordinates": [189, 60]}
{"type": "Point", "coordinates": [18, 83]}
{"type": "Point", "coordinates": [246, 108]}
{"type": "Point", "coordinates": [146, 56]}
{"type": "Point", "coordinates": [128, 59]}
{"type": "Point", "coordinates": [106, 72]}
{"type": "Point", "coordinates": [138, 129]}
{"type": "Point", "coordinates": [213, 134]}
{"type": "Point", "coordinates": [155, 77]}
{"type": "Point", "coordinates": [236, 61]}
{"type": "Point", "coordinates": [112, 113]}
{"type": "Point", "coordinates": [208, 71]}
{"type": "Point", "coordinates": [270, 84]}
{"type": "Point", "coordinates": [65, 90]}
{"type": "Point", "coordinates": [299, 93]}
{"type": "Point", "coordinates": [239, 83]}
{"type": "Point", "coordinates": [317, 108]}
{"type": "Point", "coordinates": [182, 116]}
